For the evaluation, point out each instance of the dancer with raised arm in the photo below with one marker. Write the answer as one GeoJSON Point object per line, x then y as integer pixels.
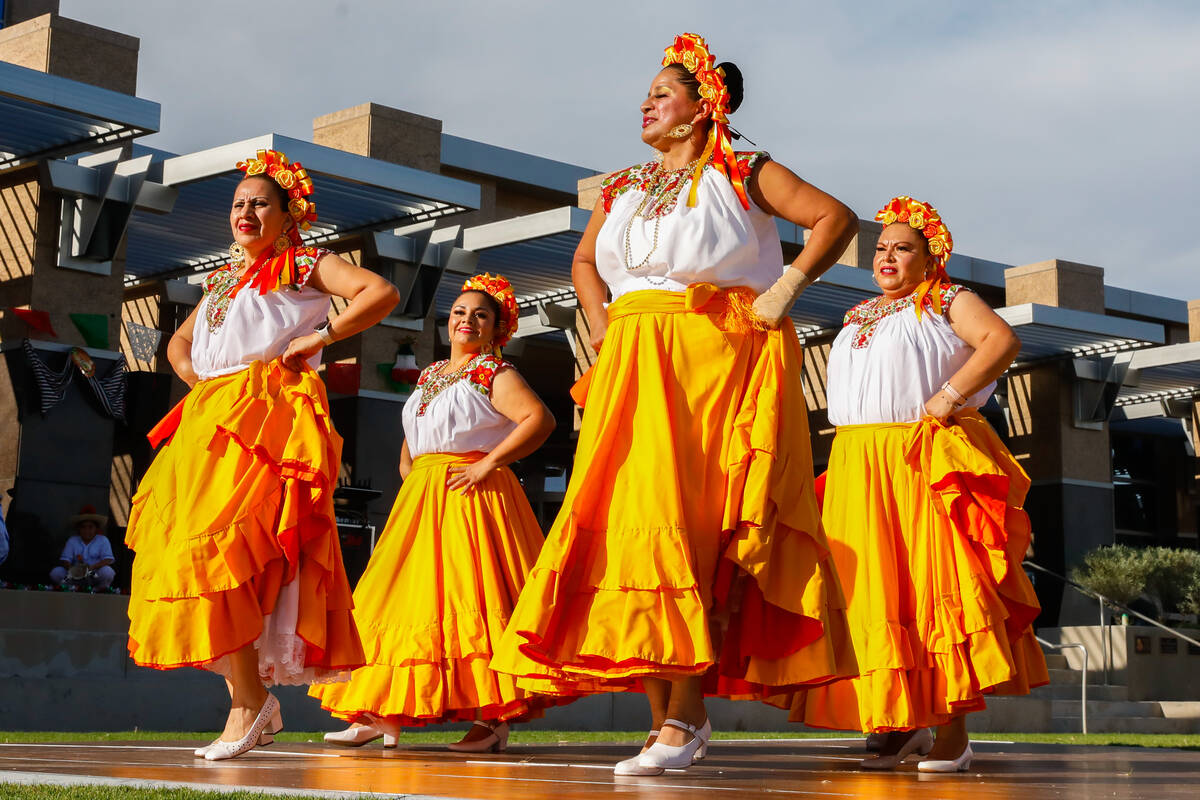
{"type": "Point", "coordinates": [238, 569]}
{"type": "Point", "coordinates": [688, 558]}
{"type": "Point", "coordinates": [922, 507]}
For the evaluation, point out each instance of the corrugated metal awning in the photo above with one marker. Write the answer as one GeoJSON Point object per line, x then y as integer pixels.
{"type": "Point", "coordinates": [353, 194]}
{"type": "Point", "coordinates": [47, 116]}
{"type": "Point", "coordinates": [1051, 332]}
{"type": "Point", "coordinates": [1161, 373]}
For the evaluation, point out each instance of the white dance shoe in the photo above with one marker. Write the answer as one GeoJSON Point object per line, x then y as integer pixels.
{"type": "Point", "coordinates": [660, 757]}
{"type": "Point", "coordinates": [496, 742]}
{"type": "Point", "coordinates": [358, 735]}
{"type": "Point", "coordinates": [960, 764]}
{"type": "Point", "coordinates": [268, 716]}
{"type": "Point", "coordinates": [630, 766]}
{"type": "Point", "coordinates": [920, 742]}
{"type": "Point", "coordinates": [265, 738]}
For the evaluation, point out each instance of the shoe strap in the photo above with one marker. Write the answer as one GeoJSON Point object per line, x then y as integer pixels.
{"type": "Point", "coordinates": [682, 725]}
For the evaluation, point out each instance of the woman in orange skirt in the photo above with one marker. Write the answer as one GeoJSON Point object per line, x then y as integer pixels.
{"type": "Point", "coordinates": [688, 558]}
{"type": "Point", "coordinates": [922, 507]}
{"type": "Point", "coordinates": [238, 567]}
{"type": "Point", "coordinates": [460, 541]}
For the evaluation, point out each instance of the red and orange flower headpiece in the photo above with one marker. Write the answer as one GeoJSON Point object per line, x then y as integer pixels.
{"type": "Point", "coordinates": [499, 289]}
{"type": "Point", "coordinates": [691, 52]}
{"type": "Point", "coordinates": [293, 179]}
{"type": "Point", "coordinates": [924, 219]}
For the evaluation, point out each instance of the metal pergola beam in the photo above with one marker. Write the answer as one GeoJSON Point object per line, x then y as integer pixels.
{"type": "Point", "coordinates": [46, 116]}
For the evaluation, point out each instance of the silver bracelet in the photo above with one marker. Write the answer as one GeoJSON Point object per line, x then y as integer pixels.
{"type": "Point", "coordinates": [323, 330]}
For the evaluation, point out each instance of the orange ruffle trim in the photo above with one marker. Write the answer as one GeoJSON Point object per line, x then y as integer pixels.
{"type": "Point", "coordinates": [689, 542]}
{"type": "Point", "coordinates": [928, 532]}
{"type": "Point", "coordinates": [237, 505]}
{"type": "Point", "coordinates": [437, 594]}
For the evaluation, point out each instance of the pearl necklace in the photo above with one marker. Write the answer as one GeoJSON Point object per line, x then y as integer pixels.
{"type": "Point", "coordinates": [657, 190]}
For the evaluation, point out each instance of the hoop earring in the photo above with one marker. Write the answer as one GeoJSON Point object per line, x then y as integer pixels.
{"type": "Point", "coordinates": [282, 243]}
{"type": "Point", "coordinates": [237, 253]}
{"type": "Point", "coordinates": [875, 280]}
{"type": "Point", "coordinates": [681, 131]}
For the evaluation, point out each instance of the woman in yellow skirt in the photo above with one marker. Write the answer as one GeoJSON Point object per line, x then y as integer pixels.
{"type": "Point", "coordinates": [922, 507]}
{"type": "Point", "coordinates": [238, 568]}
{"type": "Point", "coordinates": [688, 558]}
{"type": "Point", "coordinates": [459, 544]}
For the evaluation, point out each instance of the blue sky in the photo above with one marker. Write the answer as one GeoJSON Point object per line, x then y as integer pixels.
{"type": "Point", "coordinates": [1040, 130]}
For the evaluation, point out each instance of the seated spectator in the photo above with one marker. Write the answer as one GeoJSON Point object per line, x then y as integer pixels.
{"type": "Point", "coordinates": [87, 557]}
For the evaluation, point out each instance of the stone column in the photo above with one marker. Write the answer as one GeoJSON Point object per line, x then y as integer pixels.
{"type": "Point", "coordinates": [1071, 500]}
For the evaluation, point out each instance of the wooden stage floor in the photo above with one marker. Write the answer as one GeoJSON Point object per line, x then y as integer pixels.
{"type": "Point", "coordinates": [776, 768]}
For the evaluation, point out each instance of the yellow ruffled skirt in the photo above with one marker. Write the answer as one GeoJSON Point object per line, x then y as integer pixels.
{"type": "Point", "coordinates": [689, 541]}
{"type": "Point", "coordinates": [928, 533]}
{"type": "Point", "coordinates": [435, 598]}
{"type": "Point", "coordinates": [234, 533]}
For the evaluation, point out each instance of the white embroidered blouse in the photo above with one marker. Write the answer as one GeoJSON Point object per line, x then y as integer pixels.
{"type": "Point", "coordinates": [455, 414]}
{"type": "Point", "coordinates": [885, 363]}
{"type": "Point", "coordinates": [718, 241]}
{"type": "Point", "coordinates": [231, 332]}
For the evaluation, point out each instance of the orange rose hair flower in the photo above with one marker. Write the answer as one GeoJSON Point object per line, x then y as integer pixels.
{"type": "Point", "coordinates": [293, 179]}
{"type": "Point", "coordinates": [499, 289]}
{"type": "Point", "coordinates": [691, 52]}
{"type": "Point", "coordinates": [924, 219]}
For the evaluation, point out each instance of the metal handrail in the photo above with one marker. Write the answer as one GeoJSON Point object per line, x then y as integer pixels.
{"type": "Point", "coordinates": [1083, 678]}
{"type": "Point", "coordinates": [1124, 608]}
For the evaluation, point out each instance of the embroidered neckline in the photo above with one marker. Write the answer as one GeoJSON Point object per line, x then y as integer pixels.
{"type": "Point", "coordinates": [665, 186]}
{"type": "Point", "coordinates": [868, 314]}
{"type": "Point", "coordinates": [223, 285]}
{"type": "Point", "coordinates": [479, 371]}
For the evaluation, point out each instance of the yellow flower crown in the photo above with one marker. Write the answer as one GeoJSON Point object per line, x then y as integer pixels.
{"type": "Point", "coordinates": [293, 179]}
{"type": "Point", "coordinates": [925, 219]}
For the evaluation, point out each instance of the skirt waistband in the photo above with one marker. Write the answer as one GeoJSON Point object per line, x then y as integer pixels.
{"type": "Point", "coordinates": [966, 412]}
{"type": "Point", "coordinates": [733, 305]}
{"type": "Point", "coordinates": [442, 459]}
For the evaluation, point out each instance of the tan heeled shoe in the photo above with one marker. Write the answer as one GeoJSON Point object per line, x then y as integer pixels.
{"type": "Point", "coordinates": [497, 742]}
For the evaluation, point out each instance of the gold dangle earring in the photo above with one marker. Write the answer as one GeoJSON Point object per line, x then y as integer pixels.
{"type": "Point", "coordinates": [237, 253]}
{"type": "Point", "coordinates": [282, 243]}
{"type": "Point", "coordinates": [681, 131]}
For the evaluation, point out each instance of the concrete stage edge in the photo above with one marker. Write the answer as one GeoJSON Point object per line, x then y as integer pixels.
{"type": "Point", "coordinates": [784, 768]}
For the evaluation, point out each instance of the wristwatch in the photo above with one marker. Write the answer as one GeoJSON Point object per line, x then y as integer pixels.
{"type": "Point", "coordinates": [325, 331]}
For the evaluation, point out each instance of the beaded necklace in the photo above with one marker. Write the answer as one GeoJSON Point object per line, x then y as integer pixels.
{"type": "Point", "coordinates": [438, 381]}
{"type": "Point", "coordinates": [659, 196]}
{"type": "Point", "coordinates": [221, 288]}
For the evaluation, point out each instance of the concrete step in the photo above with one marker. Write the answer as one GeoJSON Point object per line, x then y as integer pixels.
{"type": "Point", "coordinates": [1065, 677]}
{"type": "Point", "coordinates": [1107, 708]}
{"type": "Point", "coordinates": [1071, 692]}
{"type": "Point", "coordinates": [1180, 709]}
{"type": "Point", "coordinates": [1126, 725]}
{"type": "Point", "coordinates": [1056, 660]}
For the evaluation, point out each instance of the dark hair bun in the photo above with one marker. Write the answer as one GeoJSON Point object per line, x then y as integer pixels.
{"type": "Point", "coordinates": [733, 82]}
